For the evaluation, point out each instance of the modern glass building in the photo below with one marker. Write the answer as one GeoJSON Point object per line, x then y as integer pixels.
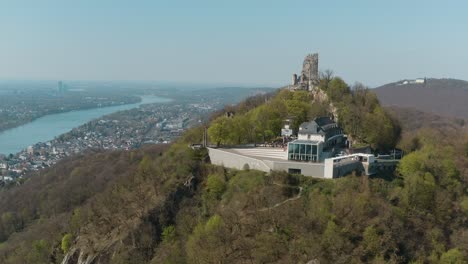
{"type": "Point", "coordinates": [305, 150]}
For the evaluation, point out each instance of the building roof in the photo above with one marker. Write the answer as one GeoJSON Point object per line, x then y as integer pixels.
{"type": "Point", "coordinates": [313, 142]}
{"type": "Point", "coordinates": [319, 125]}
{"type": "Point", "coordinates": [308, 127]}
{"type": "Point", "coordinates": [323, 121]}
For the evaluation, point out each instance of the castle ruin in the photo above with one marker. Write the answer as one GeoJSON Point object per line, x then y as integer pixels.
{"type": "Point", "coordinates": [309, 78]}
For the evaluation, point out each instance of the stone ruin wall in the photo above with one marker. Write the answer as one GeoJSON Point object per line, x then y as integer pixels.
{"type": "Point", "coordinates": [309, 80]}
{"type": "Point", "coordinates": [312, 74]}
{"type": "Point", "coordinates": [309, 77]}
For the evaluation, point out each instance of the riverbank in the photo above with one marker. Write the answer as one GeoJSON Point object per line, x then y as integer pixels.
{"type": "Point", "coordinates": [152, 123]}
{"type": "Point", "coordinates": [20, 107]}
{"type": "Point", "coordinates": [48, 127]}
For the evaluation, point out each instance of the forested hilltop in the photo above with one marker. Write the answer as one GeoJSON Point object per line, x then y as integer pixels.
{"type": "Point", "coordinates": [165, 204]}
{"type": "Point", "coordinates": [356, 109]}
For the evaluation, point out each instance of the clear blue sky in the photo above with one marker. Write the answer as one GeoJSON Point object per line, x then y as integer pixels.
{"type": "Point", "coordinates": [241, 41]}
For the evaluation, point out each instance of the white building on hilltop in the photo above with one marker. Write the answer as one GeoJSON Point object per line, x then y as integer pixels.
{"type": "Point", "coordinates": [415, 81]}
{"type": "Point", "coordinates": [315, 138]}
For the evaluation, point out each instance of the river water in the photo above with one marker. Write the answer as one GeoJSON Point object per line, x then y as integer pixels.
{"type": "Point", "coordinates": [48, 127]}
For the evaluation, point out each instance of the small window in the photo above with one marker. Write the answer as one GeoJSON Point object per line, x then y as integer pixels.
{"type": "Point", "coordinates": [294, 171]}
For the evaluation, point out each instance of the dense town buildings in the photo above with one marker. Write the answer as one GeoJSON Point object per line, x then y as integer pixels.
{"type": "Point", "coordinates": [150, 124]}
{"type": "Point", "coordinates": [158, 123]}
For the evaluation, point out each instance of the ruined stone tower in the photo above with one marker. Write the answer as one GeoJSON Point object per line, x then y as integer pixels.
{"type": "Point", "coordinates": [309, 78]}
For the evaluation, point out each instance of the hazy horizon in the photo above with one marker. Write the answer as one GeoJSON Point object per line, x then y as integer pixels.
{"type": "Point", "coordinates": [178, 84]}
{"type": "Point", "coordinates": [242, 43]}
{"type": "Point", "coordinates": [164, 84]}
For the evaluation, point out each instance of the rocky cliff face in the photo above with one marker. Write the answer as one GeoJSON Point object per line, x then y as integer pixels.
{"type": "Point", "coordinates": [319, 96]}
{"type": "Point", "coordinates": [91, 249]}
{"type": "Point", "coordinates": [78, 258]}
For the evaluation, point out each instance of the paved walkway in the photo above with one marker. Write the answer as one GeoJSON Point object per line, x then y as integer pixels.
{"type": "Point", "coordinates": [285, 201]}
{"type": "Point", "coordinates": [274, 153]}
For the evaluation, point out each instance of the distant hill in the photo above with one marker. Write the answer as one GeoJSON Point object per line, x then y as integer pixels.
{"type": "Point", "coordinates": [445, 97]}
{"type": "Point", "coordinates": [412, 120]}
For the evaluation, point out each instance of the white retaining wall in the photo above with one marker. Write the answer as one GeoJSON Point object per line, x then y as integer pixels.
{"type": "Point", "coordinates": [236, 161]}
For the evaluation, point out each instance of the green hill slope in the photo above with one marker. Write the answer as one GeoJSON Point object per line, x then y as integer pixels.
{"type": "Point", "coordinates": [170, 205]}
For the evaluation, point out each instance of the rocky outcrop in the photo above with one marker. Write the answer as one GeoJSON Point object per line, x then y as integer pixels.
{"type": "Point", "coordinates": [319, 96]}
{"type": "Point", "coordinates": [78, 257]}
{"type": "Point", "coordinates": [90, 249]}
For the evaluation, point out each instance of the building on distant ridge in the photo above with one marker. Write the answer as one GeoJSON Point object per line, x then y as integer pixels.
{"type": "Point", "coordinates": [415, 81]}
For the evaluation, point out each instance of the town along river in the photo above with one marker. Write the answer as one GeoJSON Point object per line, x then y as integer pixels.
{"type": "Point", "coordinates": [48, 127]}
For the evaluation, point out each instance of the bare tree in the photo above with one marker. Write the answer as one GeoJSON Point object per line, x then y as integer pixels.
{"type": "Point", "coordinates": [326, 75]}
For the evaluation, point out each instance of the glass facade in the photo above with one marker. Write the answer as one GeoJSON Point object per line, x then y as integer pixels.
{"type": "Point", "coordinates": [303, 151]}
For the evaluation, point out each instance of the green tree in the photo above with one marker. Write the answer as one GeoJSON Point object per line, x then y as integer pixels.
{"type": "Point", "coordinates": [76, 220]}
{"type": "Point", "coordinates": [318, 109]}
{"type": "Point", "coordinates": [332, 240]}
{"type": "Point", "coordinates": [209, 242]}
{"type": "Point", "coordinates": [67, 240]}
{"type": "Point", "coordinates": [219, 130]}
{"type": "Point", "coordinates": [239, 132]}
{"type": "Point", "coordinates": [145, 167]}
{"type": "Point", "coordinates": [10, 223]}
{"type": "Point", "coordinates": [413, 163]}
{"type": "Point", "coordinates": [215, 185]}
{"type": "Point", "coordinates": [168, 234]}
{"type": "Point", "coordinates": [214, 189]}
{"type": "Point", "coordinates": [40, 252]}
{"type": "Point", "coordinates": [371, 241]}
{"type": "Point", "coordinates": [453, 256]}
{"type": "Point", "coordinates": [464, 205]}
{"type": "Point", "coordinates": [337, 88]}
{"type": "Point", "coordinates": [298, 109]}
{"type": "Point", "coordinates": [379, 130]}
{"type": "Point", "coordinates": [419, 191]}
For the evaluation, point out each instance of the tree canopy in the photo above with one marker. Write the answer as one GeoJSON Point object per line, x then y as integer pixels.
{"type": "Point", "coordinates": [359, 114]}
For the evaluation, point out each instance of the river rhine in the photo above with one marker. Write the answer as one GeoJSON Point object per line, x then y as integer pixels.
{"type": "Point", "coordinates": [48, 127]}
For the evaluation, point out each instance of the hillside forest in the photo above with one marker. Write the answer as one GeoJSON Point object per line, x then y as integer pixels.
{"type": "Point", "coordinates": [168, 204]}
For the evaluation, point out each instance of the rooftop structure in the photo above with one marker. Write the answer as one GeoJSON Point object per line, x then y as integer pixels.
{"type": "Point", "coordinates": [305, 150]}
{"type": "Point", "coordinates": [315, 139]}
{"type": "Point", "coordinates": [321, 129]}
